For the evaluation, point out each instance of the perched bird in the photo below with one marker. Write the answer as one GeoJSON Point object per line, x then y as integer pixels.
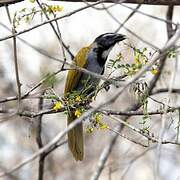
{"type": "Point", "coordinates": [92, 58]}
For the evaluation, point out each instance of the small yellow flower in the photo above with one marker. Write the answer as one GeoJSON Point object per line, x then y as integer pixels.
{"type": "Point", "coordinates": [78, 99]}
{"type": "Point", "coordinates": [154, 71]}
{"type": "Point", "coordinates": [104, 126]}
{"type": "Point", "coordinates": [98, 118]}
{"type": "Point", "coordinates": [55, 8]}
{"type": "Point", "coordinates": [77, 113]}
{"type": "Point", "coordinates": [137, 59]}
{"type": "Point", "coordinates": [144, 60]}
{"type": "Point", "coordinates": [57, 106]}
{"type": "Point", "coordinates": [89, 129]}
{"type": "Point", "coordinates": [59, 8]}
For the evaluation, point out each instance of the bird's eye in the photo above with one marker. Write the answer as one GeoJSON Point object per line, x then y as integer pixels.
{"type": "Point", "coordinates": [95, 50]}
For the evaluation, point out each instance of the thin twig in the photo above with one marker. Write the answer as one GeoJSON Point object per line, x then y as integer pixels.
{"type": "Point", "coordinates": [57, 33]}
{"type": "Point", "coordinates": [169, 21]}
{"type": "Point", "coordinates": [134, 160]}
{"type": "Point", "coordinates": [165, 90]}
{"type": "Point", "coordinates": [105, 154]}
{"type": "Point", "coordinates": [178, 127]}
{"type": "Point", "coordinates": [128, 17]}
{"type": "Point", "coordinates": [18, 83]}
{"type": "Point", "coordinates": [39, 141]}
{"type": "Point", "coordinates": [137, 113]}
{"type": "Point", "coordinates": [152, 138]}
{"type": "Point", "coordinates": [126, 137]}
{"type": "Point", "coordinates": [164, 116]}
{"type": "Point", "coordinates": [150, 2]}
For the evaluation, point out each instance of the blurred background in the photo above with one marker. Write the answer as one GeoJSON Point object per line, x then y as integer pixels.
{"type": "Point", "coordinates": [18, 134]}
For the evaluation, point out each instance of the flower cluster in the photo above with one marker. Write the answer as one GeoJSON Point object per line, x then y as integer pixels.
{"type": "Point", "coordinates": [96, 123]}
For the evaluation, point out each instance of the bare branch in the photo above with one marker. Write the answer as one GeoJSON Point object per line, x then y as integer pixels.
{"type": "Point", "coordinates": [134, 160]}
{"type": "Point", "coordinates": [128, 138]}
{"type": "Point", "coordinates": [105, 154]}
{"type": "Point", "coordinates": [137, 113]}
{"type": "Point", "coordinates": [7, 2]}
{"type": "Point", "coordinates": [164, 116]}
{"type": "Point", "coordinates": [107, 112]}
{"type": "Point", "coordinates": [15, 57]}
{"type": "Point", "coordinates": [130, 16]}
{"type": "Point", "coordinates": [150, 2]}
{"type": "Point", "coordinates": [39, 141]}
{"type": "Point", "coordinates": [57, 33]}
{"type": "Point", "coordinates": [165, 90]}
{"type": "Point", "coordinates": [139, 131]}
{"type": "Point", "coordinates": [168, 20]}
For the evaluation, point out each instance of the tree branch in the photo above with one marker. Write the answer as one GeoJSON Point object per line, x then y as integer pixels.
{"type": "Point", "coordinates": [40, 142]}
{"type": "Point", "coordinates": [149, 2]}
{"type": "Point", "coordinates": [7, 2]}
{"type": "Point", "coordinates": [15, 57]}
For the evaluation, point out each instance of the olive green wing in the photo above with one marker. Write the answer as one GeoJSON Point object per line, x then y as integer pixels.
{"type": "Point", "coordinates": [74, 75]}
{"type": "Point", "coordinates": [75, 136]}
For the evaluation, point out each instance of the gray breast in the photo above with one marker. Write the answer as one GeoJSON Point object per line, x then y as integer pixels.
{"type": "Point", "coordinates": [92, 64]}
{"type": "Point", "coordinates": [88, 83]}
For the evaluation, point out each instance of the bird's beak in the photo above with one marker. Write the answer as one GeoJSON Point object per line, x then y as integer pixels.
{"type": "Point", "coordinates": [119, 37]}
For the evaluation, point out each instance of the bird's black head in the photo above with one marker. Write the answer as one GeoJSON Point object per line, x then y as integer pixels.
{"type": "Point", "coordinates": [103, 44]}
{"type": "Point", "coordinates": [108, 40]}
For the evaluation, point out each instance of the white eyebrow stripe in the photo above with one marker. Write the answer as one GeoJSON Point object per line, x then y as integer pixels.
{"type": "Point", "coordinates": [108, 34]}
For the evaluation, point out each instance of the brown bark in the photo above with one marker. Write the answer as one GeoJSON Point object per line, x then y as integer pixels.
{"type": "Point", "coordinates": [150, 2]}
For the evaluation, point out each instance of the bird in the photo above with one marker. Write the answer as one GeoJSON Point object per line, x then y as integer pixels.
{"type": "Point", "coordinates": [92, 58]}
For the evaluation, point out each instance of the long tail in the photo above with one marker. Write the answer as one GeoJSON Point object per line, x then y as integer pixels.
{"type": "Point", "coordinates": [75, 139]}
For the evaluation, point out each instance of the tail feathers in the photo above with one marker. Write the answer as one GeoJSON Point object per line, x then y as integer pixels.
{"type": "Point", "coordinates": [75, 139]}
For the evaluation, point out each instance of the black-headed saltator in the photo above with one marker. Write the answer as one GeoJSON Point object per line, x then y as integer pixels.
{"type": "Point", "coordinates": [92, 58]}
